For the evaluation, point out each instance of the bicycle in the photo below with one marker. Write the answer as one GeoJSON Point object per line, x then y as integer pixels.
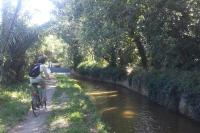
{"type": "Point", "coordinates": [38, 98]}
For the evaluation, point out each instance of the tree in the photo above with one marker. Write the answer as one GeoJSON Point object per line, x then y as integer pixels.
{"type": "Point", "coordinates": [158, 34]}
{"type": "Point", "coordinates": [170, 29]}
{"type": "Point", "coordinates": [16, 38]}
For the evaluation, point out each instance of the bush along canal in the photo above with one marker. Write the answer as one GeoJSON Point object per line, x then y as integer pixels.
{"type": "Point", "coordinates": [128, 112]}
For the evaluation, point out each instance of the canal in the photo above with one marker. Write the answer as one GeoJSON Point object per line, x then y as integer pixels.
{"type": "Point", "coordinates": [128, 112]}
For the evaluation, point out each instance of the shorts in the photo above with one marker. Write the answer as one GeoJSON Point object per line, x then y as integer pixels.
{"type": "Point", "coordinates": [39, 80]}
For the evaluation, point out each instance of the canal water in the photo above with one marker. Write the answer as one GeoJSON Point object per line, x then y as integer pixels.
{"type": "Point", "coordinates": [128, 112]}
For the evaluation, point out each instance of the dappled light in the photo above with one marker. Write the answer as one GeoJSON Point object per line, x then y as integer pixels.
{"type": "Point", "coordinates": [60, 106]}
{"type": "Point", "coordinates": [77, 86]}
{"type": "Point", "coordinates": [109, 109]}
{"type": "Point", "coordinates": [76, 116]}
{"type": "Point", "coordinates": [112, 96]}
{"type": "Point", "coordinates": [60, 122]}
{"type": "Point", "coordinates": [128, 114]}
{"type": "Point", "coordinates": [103, 93]}
{"type": "Point", "coordinates": [14, 104]}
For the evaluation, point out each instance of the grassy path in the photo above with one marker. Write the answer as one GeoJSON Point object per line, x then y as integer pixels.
{"type": "Point", "coordinates": [68, 110]}
{"type": "Point", "coordinates": [14, 104]}
{"type": "Point", "coordinates": [33, 124]}
{"type": "Point", "coordinates": [72, 110]}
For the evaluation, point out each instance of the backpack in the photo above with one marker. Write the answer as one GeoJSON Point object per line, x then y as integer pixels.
{"type": "Point", "coordinates": [34, 71]}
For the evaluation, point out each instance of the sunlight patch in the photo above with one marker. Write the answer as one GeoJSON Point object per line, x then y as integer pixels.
{"type": "Point", "coordinates": [76, 116]}
{"type": "Point", "coordinates": [128, 114]}
{"type": "Point", "coordinates": [59, 122]}
{"type": "Point", "coordinates": [62, 105]}
{"type": "Point", "coordinates": [111, 109]}
{"type": "Point", "coordinates": [102, 93]}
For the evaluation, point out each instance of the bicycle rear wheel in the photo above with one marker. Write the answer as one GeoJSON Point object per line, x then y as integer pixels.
{"type": "Point", "coordinates": [44, 98]}
{"type": "Point", "coordinates": [35, 106]}
{"type": "Point", "coordinates": [45, 102]}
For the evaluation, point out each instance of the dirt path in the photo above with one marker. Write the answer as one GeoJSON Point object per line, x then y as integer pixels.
{"type": "Point", "coordinates": [33, 124]}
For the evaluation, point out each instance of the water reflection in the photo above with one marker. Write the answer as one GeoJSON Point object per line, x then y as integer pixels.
{"type": "Point", "coordinates": [128, 112]}
{"type": "Point", "coordinates": [109, 109]}
{"type": "Point", "coordinates": [145, 123]}
{"type": "Point", "coordinates": [102, 93]}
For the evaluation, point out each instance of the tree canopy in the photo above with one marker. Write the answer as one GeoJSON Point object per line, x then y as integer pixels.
{"type": "Point", "coordinates": [150, 34]}
{"type": "Point", "coordinates": [144, 34]}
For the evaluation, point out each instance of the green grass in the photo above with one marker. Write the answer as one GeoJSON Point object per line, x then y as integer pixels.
{"type": "Point", "coordinates": [73, 113]}
{"type": "Point", "coordinates": [14, 104]}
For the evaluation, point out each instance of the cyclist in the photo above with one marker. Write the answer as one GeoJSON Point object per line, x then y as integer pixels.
{"type": "Point", "coordinates": [36, 74]}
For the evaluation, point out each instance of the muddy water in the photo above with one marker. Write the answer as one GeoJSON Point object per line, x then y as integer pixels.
{"type": "Point", "coordinates": [128, 112]}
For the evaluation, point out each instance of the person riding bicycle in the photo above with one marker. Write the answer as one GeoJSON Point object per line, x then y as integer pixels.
{"type": "Point", "coordinates": [36, 74]}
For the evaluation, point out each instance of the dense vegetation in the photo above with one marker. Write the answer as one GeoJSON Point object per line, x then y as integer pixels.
{"type": "Point", "coordinates": [149, 34]}
{"type": "Point", "coordinates": [15, 38]}
{"type": "Point", "coordinates": [142, 35]}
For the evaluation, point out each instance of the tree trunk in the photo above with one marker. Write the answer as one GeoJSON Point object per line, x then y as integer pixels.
{"type": "Point", "coordinates": [113, 57]}
{"type": "Point", "coordinates": [141, 51]}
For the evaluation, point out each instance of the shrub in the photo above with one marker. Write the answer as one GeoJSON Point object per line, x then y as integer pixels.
{"type": "Point", "coordinates": [167, 87]}
{"type": "Point", "coordinates": [101, 71]}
